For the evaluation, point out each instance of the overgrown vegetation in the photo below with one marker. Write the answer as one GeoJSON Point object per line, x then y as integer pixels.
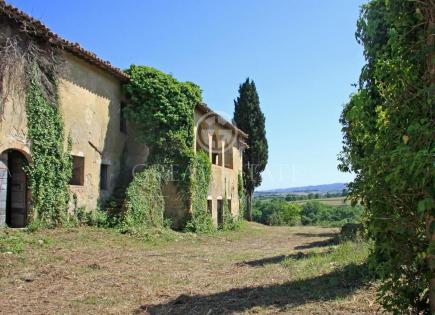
{"type": "Point", "coordinates": [50, 169]}
{"type": "Point", "coordinates": [200, 220]}
{"type": "Point", "coordinates": [144, 204]}
{"type": "Point", "coordinates": [277, 211]}
{"type": "Point", "coordinates": [229, 221]}
{"type": "Point", "coordinates": [349, 258]}
{"type": "Point", "coordinates": [388, 143]}
{"type": "Point", "coordinates": [36, 67]}
{"type": "Point", "coordinates": [315, 213]}
{"type": "Point", "coordinates": [163, 108]}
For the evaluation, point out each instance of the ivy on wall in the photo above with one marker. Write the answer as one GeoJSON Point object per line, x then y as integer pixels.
{"type": "Point", "coordinates": [241, 194]}
{"type": "Point", "coordinates": [200, 220]}
{"type": "Point", "coordinates": [30, 70]}
{"type": "Point", "coordinates": [144, 203]}
{"type": "Point", "coordinates": [50, 169]}
{"type": "Point", "coordinates": [163, 108]}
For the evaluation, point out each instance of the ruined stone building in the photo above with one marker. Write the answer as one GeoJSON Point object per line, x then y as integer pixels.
{"type": "Point", "coordinates": [103, 142]}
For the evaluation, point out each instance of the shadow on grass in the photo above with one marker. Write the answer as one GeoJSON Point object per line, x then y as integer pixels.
{"type": "Point", "coordinates": [278, 259]}
{"type": "Point", "coordinates": [335, 285]}
{"type": "Point", "coordinates": [324, 243]}
{"type": "Point", "coordinates": [328, 234]}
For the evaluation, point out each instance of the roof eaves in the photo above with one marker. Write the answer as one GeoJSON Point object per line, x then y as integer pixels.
{"type": "Point", "coordinates": [36, 28]}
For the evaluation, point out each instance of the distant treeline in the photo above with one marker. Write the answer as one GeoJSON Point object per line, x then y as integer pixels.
{"type": "Point", "coordinates": [309, 196]}
{"type": "Point", "coordinates": [278, 211]}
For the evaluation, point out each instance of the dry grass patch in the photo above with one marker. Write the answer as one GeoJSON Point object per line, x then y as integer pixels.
{"type": "Point", "coordinates": [90, 270]}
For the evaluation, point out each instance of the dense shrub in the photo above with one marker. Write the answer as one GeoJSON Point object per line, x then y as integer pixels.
{"type": "Point", "coordinates": [316, 213]}
{"type": "Point", "coordinates": [388, 127]}
{"type": "Point", "coordinates": [276, 212]}
{"type": "Point", "coordinates": [144, 203]}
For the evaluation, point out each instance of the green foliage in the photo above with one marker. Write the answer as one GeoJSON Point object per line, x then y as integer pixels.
{"type": "Point", "coordinates": [340, 257]}
{"type": "Point", "coordinates": [96, 217]}
{"type": "Point", "coordinates": [315, 213]}
{"type": "Point", "coordinates": [352, 232]}
{"type": "Point", "coordinates": [388, 145]}
{"type": "Point", "coordinates": [230, 223]}
{"type": "Point", "coordinates": [144, 203]}
{"type": "Point", "coordinates": [200, 220]}
{"type": "Point", "coordinates": [15, 242]}
{"type": "Point", "coordinates": [163, 109]}
{"type": "Point", "coordinates": [241, 194]}
{"type": "Point", "coordinates": [50, 169]}
{"type": "Point", "coordinates": [249, 118]}
{"type": "Point", "coordinates": [276, 212]}
{"type": "Point", "coordinates": [12, 243]}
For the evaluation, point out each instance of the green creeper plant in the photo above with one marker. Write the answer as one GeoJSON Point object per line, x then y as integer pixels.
{"type": "Point", "coordinates": [388, 144]}
{"type": "Point", "coordinates": [163, 110]}
{"type": "Point", "coordinates": [200, 220]}
{"type": "Point", "coordinates": [49, 171]}
{"type": "Point", "coordinates": [144, 203]}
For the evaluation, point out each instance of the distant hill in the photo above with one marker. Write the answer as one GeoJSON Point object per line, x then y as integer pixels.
{"type": "Point", "coordinates": [335, 187]}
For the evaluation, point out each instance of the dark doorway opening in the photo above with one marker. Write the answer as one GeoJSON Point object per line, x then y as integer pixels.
{"type": "Point", "coordinates": [13, 196]}
{"type": "Point", "coordinates": [220, 212]}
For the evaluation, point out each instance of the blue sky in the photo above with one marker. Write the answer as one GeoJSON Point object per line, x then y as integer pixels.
{"type": "Point", "coordinates": [302, 56]}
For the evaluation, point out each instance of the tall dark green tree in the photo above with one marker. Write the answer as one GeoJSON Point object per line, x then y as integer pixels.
{"type": "Point", "coordinates": [249, 118]}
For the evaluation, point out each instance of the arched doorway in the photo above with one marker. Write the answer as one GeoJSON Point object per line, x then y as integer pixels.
{"type": "Point", "coordinates": [13, 188]}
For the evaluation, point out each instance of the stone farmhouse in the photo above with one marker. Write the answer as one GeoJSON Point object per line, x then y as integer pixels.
{"type": "Point", "coordinates": [104, 148]}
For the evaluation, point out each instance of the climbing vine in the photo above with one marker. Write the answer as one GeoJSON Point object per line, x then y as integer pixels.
{"type": "Point", "coordinates": [50, 170]}
{"type": "Point", "coordinates": [144, 203]}
{"type": "Point", "coordinates": [200, 220]}
{"type": "Point", "coordinates": [163, 109]}
{"type": "Point", "coordinates": [30, 69]}
{"type": "Point", "coordinates": [388, 144]}
{"type": "Point", "coordinates": [241, 194]}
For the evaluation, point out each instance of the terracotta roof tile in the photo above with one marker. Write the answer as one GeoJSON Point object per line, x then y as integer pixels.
{"type": "Point", "coordinates": [205, 109]}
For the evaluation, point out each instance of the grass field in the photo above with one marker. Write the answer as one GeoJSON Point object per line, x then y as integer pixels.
{"type": "Point", "coordinates": [335, 201]}
{"type": "Point", "coordinates": [259, 269]}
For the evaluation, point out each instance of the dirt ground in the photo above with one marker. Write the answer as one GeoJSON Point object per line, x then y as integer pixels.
{"type": "Point", "coordinates": [90, 270]}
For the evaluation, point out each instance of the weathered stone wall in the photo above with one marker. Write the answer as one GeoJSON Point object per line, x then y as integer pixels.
{"type": "Point", "coordinates": [90, 102]}
{"type": "Point", "coordinates": [224, 183]}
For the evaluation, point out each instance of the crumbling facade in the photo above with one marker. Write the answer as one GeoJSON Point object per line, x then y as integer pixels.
{"type": "Point", "coordinates": [104, 147]}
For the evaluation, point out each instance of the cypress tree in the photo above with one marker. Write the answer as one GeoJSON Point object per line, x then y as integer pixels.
{"type": "Point", "coordinates": [249, 118]}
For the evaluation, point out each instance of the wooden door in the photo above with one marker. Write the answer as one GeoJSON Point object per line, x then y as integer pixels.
{"type": "Point", "coordinates": [17, 187]}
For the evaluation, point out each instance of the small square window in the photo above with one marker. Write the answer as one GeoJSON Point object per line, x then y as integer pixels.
{"type": "Point", "coordinates": [104, 176]}
{"type": "Point", "coordinates": [78, 171]}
